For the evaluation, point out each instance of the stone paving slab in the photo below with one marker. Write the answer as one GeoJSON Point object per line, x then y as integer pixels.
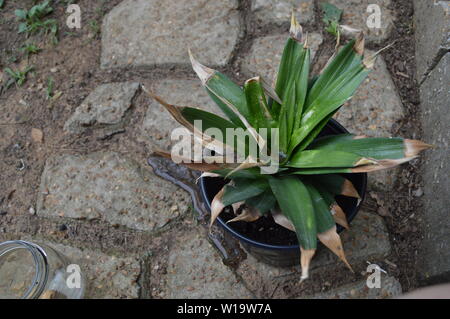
{"type": "Point", "coordinates": [106, 276]}
{"type": "Point", "coordinates": [355, 15]}
{"type": "Point", "coordinates": [141, 33]}
{"type": "Point", "coordinates": [432, 22]}
{"type": "Point", "coordinates": [158, 123]}
{"type": "Point", "coordinates": [374, 111]}
{"type": "Point", "coordinates": [195, 270]}
{"type": "Point", "coordinates": [279, 11]}
{"type": "Point", "coordinates": [435, 97]}
{"type": "Point", "coordinates": [390, 287]}
{"type": "Point", "coordinates": [110, 187]}
{"type": "Point", "coordinates": [105, 106]}
{"type": "Point", "coordinates": [265, 55]}
{"type": "Point", "coordinates": [367, 240]}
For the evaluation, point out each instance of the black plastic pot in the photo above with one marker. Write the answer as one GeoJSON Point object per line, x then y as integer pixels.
{"type": "Point", "coordinates": [288, 255]}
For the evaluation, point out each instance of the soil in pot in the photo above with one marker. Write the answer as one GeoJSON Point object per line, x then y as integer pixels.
{"type": "Point", "coordinates": [265, 230]}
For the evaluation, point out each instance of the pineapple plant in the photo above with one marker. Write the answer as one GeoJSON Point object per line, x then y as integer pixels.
{"type": "Point", "coordinates": [300, 192]}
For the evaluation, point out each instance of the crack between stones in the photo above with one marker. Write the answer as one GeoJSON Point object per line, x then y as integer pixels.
{"type": "Point", "coordinates": [434, 64]}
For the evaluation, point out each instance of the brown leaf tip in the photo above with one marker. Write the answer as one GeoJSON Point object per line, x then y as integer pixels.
{"type": "Point", "coordinates": [414, 147]}
{"type": "Point", "coordinates": [349, 190]}
{"type": "Point", "coordinates": [203, 72]}
{"type": "Point", "coordinates": [254, 79]}
{"type": "Point", "coordinates": [296, 30]}
{"type": "Point", "coordinates": [359, 44]}
{"type": "Point", "coordinates": [369, 62]}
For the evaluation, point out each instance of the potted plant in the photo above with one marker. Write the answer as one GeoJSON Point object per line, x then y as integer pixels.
{"type": "Point", "coordinates": [319, 175]}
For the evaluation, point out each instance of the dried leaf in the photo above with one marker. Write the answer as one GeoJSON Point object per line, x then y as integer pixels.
{"type": "Point", "coordinates": [349, 190]}
{"type": "Point", "coordinates": [282, 220]}
{"type": "Point", "coordinates": [203, 72]}
{"type": "Point", "coordinates": [248, 215]}
{"type": "Point", "coordinates": [305, 260]}
{"type": "Point", "coordinates": [236, 206]}
{"type": "Point", "coordinates": [248, 163]}
{"type": "Point", "coordinates": [339, 216]}
{"type": "Point", "coordinates": [332, 240]}
{"type": "Point", "coordinates": [205, 140]}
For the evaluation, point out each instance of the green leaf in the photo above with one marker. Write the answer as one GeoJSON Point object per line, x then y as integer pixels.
{"type": "Point", "coordinates": [295, 203]}
{"type": "Point", "coordinates": [223, 92]}
{"type": "Point", "coordinates": [327, 196]}
{"type": "Point", "coordinates": [260, 116]}
{"type": "Point", "coordinates": [290, 68]}
{"type": "Point", "coordinates": [333, 28]}
{"type": "Point", "coordinates": [321, 158]}
{"type": "Point", "coordinates": [23, 27]}
{"type": "Point", "coordinates": [22, 14]}
{"type": "Point", "coordinates": [331, 17]}
{"type": "Point", "coordinates": [33, 12]}
{"type": "Point", "coordinates": [331, 12]}
{"type": "Point", "coordinates": [320, 170]}
{"type": "Point", "coordinates": [220, 85]}
{"type": "Point", "coordinates": [336, 184]}
{"type": "Point", "coordinates": [315, 131]}
{"type": "Point", "coordinates": [324, 219]}
{"type": "Point", "coordinates": [329, 91]}
{"type": "Point", "coordinates": [376, 147]}
{"type": "Point", "coordinates": [344, 59]}
{"type": "Point", "coordinates": [329, 100]}
{"type": "Point", "coordinates": [243, 189]}
{"type": "Point", "coordinates": [209, 120]}
{"type": "Point", "coordinates": [286, 118]}
{"type": "Point", "coordinates": [10, 72]}
{"type": "Point", "coordinates": [249, 173]}
{"type": "Point", "coordinates": [283, 75]}
{"type": "Point", "coordinates": [263, 202]}
{"type": "Point", "coordinates": [302, 82]}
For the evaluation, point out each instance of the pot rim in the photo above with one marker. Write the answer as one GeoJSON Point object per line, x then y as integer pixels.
{"type": "Point", "coordinates": [337, 127]}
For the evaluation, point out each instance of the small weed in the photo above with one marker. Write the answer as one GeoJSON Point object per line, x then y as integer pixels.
{"type": "Point", "coordinates": [95, 28]}
{"type": "Point", "coordinates": [17, 77]}
{"type": "Point", "coordinates": [100, 12]}
{"type": "Point", "coordinates": [29, 49]}
{"type": "Point", "coordinates": [12, 58]}
{"type": "Point", "coordinates": [331, 17]}
{"type": "Point", "coordinates": [33, 20]}
{"type": "Point", "coordinates": [70, 34]}
{"type": "Point", "coordinates": [49, 91]}
{"type": "Point", "coordinates": [51, 95]}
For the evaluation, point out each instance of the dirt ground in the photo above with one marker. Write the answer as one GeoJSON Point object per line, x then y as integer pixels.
{"type": "Point", "coordinates": [73, 63]}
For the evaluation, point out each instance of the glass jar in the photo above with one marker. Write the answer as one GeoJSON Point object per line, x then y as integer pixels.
{"type": "Point", "coordinates": [32, 271]}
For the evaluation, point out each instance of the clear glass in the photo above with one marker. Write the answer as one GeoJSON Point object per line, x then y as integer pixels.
{"type": "Point", "coordinates": [33, 271]}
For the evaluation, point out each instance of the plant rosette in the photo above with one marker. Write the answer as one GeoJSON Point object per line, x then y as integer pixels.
{"type": "Point", "coordinates": [298, 174]}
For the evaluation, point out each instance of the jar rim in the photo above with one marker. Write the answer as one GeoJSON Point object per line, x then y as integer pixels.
{"type": "Point", "coordinates": [40, 279]}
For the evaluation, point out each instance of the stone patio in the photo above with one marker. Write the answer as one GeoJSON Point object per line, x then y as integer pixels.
{"type": "Point", "coordinates": [119, 192]}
